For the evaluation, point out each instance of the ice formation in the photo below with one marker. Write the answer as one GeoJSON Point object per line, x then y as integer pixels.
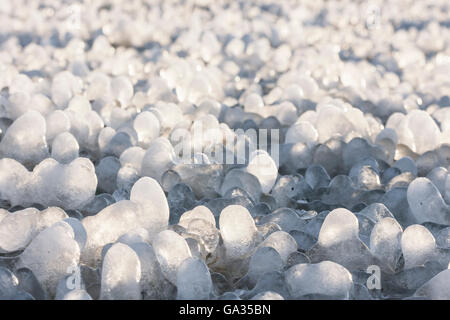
{"type": "Point", "coordinates": [265, 150]}
{"type": "Point", "coordinates": [121, 273]}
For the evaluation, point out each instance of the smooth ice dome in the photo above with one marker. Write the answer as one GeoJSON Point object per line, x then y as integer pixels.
{"type": "Point", "coordinates": [303, 132]}
{"type": "Point", "coordinates": [193, 280]}
{"type": "Point", "coordinates": [57, 122]}
{"type": "Point", "coordinates": [147, 128]}
{"type": "Point", "coordinates": [253, 103]}
{"type": "Point", "coordinates": [171, 250]}
{"type": "Point", "coordinates": [151, 276]}
{"type": "Point", "coordinates": [158, 158]}
{"type": "Point", "coordinates": [132, 157]}
{"type": "Point", "coordinates": [423, 130]}
{"type": "Point", "coordinates": [199, 212]}
{"type": "Point", "coordinates": [17, 229]}
{"type": "Point", "coordinates": [263, 167]}
{"type": "Point", "coordinates": [147, 193]}
{"type": "Point", "coordinates": [418, 246]}
{"type": "Point", "coordinates": [25, 140]}
{"type": "Point", "coordinates": [14, 182]}
{"type": "Point", "coordinates": [107, 226]}
{"type": "Point", "coordinates": [69, 186]}
{"type": "Point", "coordinates": [385, 241]}
{"type": "Point", "coordinates": [51, 254]}
{"type": "Point", "coordinates": [121, 273]}
{"type": "Point", "coordinates": [65, 148]}
{"type": "Point", "coordinates": [326, 278]}
{"type": "Point", "coordinates": [147, 208]}
{"type": "Point", "coordinates": [50, 216]}
{"type": "Point", "coordinates": [426, 202]}
{"type": "Point", "coordinates": [238, 231]}
{"type": "Point", "coordinates": [339, 225]}
{"type": "Point", "coordinates": [282, 242]}
{"type": "Point", "coordinates": [237, 178]}
{"type": "Point", "coordinates": [265, 259]}
{"type": "Point", "coordinates": [339, 241]}
{"type": "Point", "coordinates": [122, 89]}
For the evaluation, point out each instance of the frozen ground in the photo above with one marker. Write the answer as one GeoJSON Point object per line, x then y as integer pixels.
{"type": "Point", "coordinates": [224, 149]}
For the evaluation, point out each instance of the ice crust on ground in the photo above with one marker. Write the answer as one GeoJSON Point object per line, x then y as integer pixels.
{"type": "Point", "coordinates": [118, 179]}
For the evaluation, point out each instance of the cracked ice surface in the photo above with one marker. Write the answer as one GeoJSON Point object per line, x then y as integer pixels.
{"type": "Point", "coordinates": [224, 149]}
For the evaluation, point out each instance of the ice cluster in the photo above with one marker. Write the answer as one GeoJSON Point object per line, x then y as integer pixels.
{"type": "Point", "coordinates": [118, 181]}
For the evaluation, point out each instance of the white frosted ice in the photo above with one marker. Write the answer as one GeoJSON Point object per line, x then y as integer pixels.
{"type": "Point", "coordinates": [79, 232]}
{"type": "Point", "coordinates": [50, 216]}
{"type": "Point", "coordinates": [238, 231]}
{"type": "Point", "coordinates": [17, 229]}
{"type": "Point", "coordinates": [25, 140]}
{"type": "Point", "coordinates": [147, 128]}
{"type": "Point", "coordinates": [158, 158]}
{"type": "Point", "coordinates": [65, 148]}
{"type": "Point", "coordinates": [121, 273]}
{"type": "Point", "coordinates": [137, 235]}
{"type": "Point", "coordinates": [339, 225]}
{"type": "Point", "coordinates": [57, 122]}
{"type": "Point", "coordinates": [132, 157]}
{"type": "Point", "coordinates": [147, 209]}
{"type": "Point", "coordinates": [122, 90]}
{"type": "Point", "coordinates": [263, 167]}
{"type": "Point", "coordinates": [171, 250]}
{"type": "Point", "coordinates": [69, 186]}
{"type": "Point", "coordinates": [325, 278]}
{"type": "Point", "coordinates": [51, 255]}
{"type": "Point", "coordinates": [147, 193]}
{"type": "Point", "coordinates": [303, 132]}
{"type": "Point", "coordinates": [14, 182]}
{"type": "Point", "coordinates": [107, 226]}
{"type": "Point", "coordinates": [77, 295]}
